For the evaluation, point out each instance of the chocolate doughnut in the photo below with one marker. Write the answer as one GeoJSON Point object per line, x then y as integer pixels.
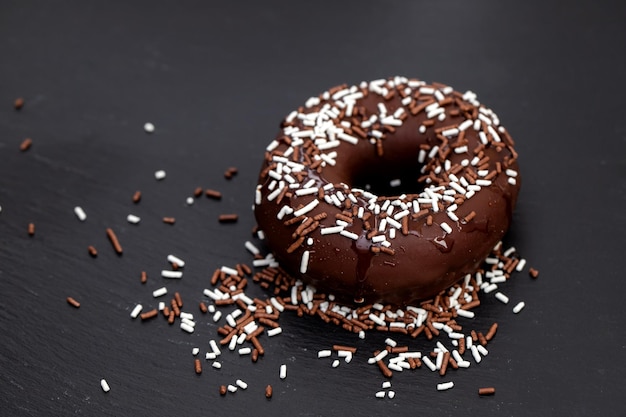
{"type": "Point", "coordinates": [449, 168]}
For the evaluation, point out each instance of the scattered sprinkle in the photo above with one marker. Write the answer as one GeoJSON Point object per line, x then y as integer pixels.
{"type": "Point", "coordinates": [26, 144]}
{"type": "Point", "coordinates": [80, 213]}
{"type": "Point", "coordinates": [160, 174]}
{"type": "Point", "coordinates": [105, 385]}
{"type": "Point", "coordinates": [486, 391]}
{"type": "Point", "coordinates": [114, 241]}
{"type": "Point", "coordinates": [18, 103]}
{"type": "Point", "coordinates": [148, 127]}
{"type": "Point", "coordinates": [71, 301]}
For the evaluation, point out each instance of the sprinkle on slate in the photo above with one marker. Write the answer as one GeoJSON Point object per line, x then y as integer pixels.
{"type": "Point", "coordinates": [486, 391]}
{"type": "Point", "coordinates": [533, 272]}
{"type": "Point", "coordinates": [104, 385]}
{"type": "Point", "coordinates": [18, 103]}
{"type": "Point", "coordinates": [31, 229]}
{"type": "Point", "coordinates": [269, 391]}
{"type": "Point", "coordinates": [92, 251]}
{"type": "Point", "coordinates": [114, 241]}
{"type": "Point", "coordinates": [71, 301]}
{"type": "Point", "coordinates": [148, 127]}
{"type": "Point", "coordinates": [230, 172]}
{"type": "Point", "coordinates": [216, 195]}
{"type": "Point", "coordinates": [26, 144]}
{"type": "Point", "coordinates": [228, 218]}
{"type": "Point", "coordinates": [137, 197]}
{"type": "Point", "coordinates": [169, 220]}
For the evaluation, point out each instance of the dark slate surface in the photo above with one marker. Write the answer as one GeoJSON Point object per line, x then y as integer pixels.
{"type": "Point", "coordinates": [216, 79]}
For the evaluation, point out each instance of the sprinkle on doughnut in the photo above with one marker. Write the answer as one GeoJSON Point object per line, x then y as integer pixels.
{"type": "Point", "coordinates": [462, 151]}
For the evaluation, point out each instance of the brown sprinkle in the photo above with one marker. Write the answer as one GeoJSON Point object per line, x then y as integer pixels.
{"type": "Point", "coordinates": [533, 272]}
{"type": "Point", "coordinates": [149, 314]}
{"type": "Point", "coordinates": [169, 220]}
{"type": "Point", "coordinates": [144, 277]}
{"type": "Point", "coordinates": [114, 241]}
{"type": "Point", "coordinates": [216, 195]}
{"type": "Point", "coordinates": [223, 390]}
{"type": "Point", "coordinates": [31, 229]}
{"type": "Point", "coordinates": [18, 103]}
{"type": "Point", "coordinates": [198, 192]}
{"type": "Point", "coordinates": [26, 144]}
{"type": "Point", "coordinates": [92, 251]}
{"type": "Point", "coordinates": [228, 218]}
{"type": "Point", "coordinates": [268, 391]}
{"type": "Point", "coordinates": [492, 332]}
{"type": "Point", "coordinates": [197, 365]}
{"type": "Point", "coordinates": [71, 301]}
{"type": "Point", "coordinates": [178, 298]}
{"type": "Point", "coordinates": [486, 391]}
{"type": "Point", "coordinates": [203, 307]}
{"type": "Point", "coordinates": [137, 197]}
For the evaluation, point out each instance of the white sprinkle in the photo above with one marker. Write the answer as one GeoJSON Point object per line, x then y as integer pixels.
{"type": "Point", "coordinates": [518, 307]}
{"type": "Point", "coordinates": [511, 173]}
{"type": "Point", "coordinates": [475, 354]}
{"type": "Point", "coordinates": [391, 394]}
{"type": "Point", "coordinates": [445, 386]}
{"type": "Point", "coordinates": [283, 371]}
{"type": "Point", "coordinates": [210, 356]}
{"type": "Point", "coordinates": [426, 360]}
{"type": "Point", "coordinates": [465, 313]}
{"type": "Point", "coordinates": [483, 351]}
{"type": "Point", "coordinates": [229, 271]}
{"type": "Point", "coordinates": [489, 288]}
{"type": "Point", "coordinates": [395, 367]}
{"type": "Point", "coordinates": [233, 343]}
{"type": "Point", "coordinates": [278, 306]}
{"type": "Point", "coordinates": [216, 350]}
{"type": "Point", "coordinates": [186, 327]}
{"type": "Point", "coordinates": [446, 227]}
{"type": "Point", "coordinates": [380, 394]}
{"type": "Point", "coordinates": [171, 274]}
{"type": "Point", "coordinates": [274, 331]}
{"type": "Point", "coordinates": [148, 127]}
{"type": "Point", "coordinates": [483, 183]}
{"type": "Point", "coordinates": [306, 208]}
{"type": "Point", "coordinates": [512, 181]}
{"type": "Point", "coordinates": [350, 235]}
{"type": "Point", "coordinates": [131, 218]}
{"type": "Point", "coordinates": [216, 365]}
{"type": "Point", "coordinates": [306, 191]}
{"type": "Point", "coordinates": [136, 311]}
{"type": "Point", "coordinates": [390, 342]}
{"type": "Point", "coordinates": [324, 353]}
{"type": "Point", "coordinates": [335, 363]}
{"type": "Point", "coordinates": [159, 175]}
{"type": "Point", "coordinates": [378, 357]}
{"type": "Point", "coordinates": [520, 265]}
{"type": "Point", "coordinates": [502, 297]}
{"type": "Point", "coordinates": [304, 262]}
{"type": "Point", "coordinates": [241, 384]}
{"type": "Point", "coordinates": [158, 293]}
{"type": "Point", "coordinates": [195, 351]}
{"type": "Point", "coordinates": [175, 260]}
{"type": "Point", "coordinates": [80, 213]}
{"type": "Point", "coordinates": [105, 385]}
{"type": "Point", "coordinates": [231, 388]}
{"type": "Point", "coordinates": [377, 319]}
{"type": "Point", "coordinates": [244, 351]}
{"type": "Point", "coordinates": [348, 138]}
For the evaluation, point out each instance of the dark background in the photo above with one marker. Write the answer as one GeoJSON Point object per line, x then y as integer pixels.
{"type": "Point", "coordinates": [216, 78]}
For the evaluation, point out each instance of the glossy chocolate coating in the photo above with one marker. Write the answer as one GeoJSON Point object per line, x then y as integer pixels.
{"type": "Point", "coordinates": [427, 259]}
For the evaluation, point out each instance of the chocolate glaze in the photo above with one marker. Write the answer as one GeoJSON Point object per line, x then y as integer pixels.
{"type": "Point", "coordinates": [427, 259]}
